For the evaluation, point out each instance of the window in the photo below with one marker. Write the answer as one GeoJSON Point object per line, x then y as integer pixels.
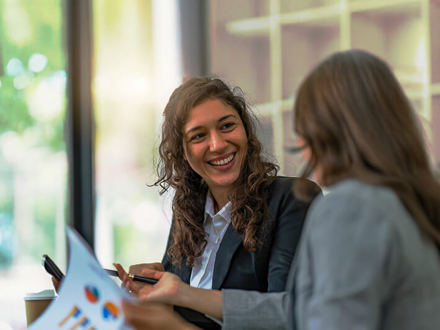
{"type": "Point", "coordinates": [33, 165]}
{"type": "Point", "coordinates": [136, 69]}
{"type": "Point", "coordinates": [285, 39]}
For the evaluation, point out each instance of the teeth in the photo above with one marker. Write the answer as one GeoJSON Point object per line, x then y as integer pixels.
{"type": "Point", "coordinates": [223, 161]}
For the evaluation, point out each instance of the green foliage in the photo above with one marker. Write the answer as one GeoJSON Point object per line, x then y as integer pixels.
{"type": "Point", "coordinates": [28, 28]}
{"type": "Point", "coordinates": [42, 23]}
{"type": "Point", "coordinates": [14, 114]}
{"type": "Point", "coordinates": [45, 32]}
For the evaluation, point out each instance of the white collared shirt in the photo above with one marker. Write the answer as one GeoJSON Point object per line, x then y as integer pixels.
{"type": "Point", "coordinates": [215, 226]}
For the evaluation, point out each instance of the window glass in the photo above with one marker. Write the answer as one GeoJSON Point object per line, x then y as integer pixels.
{"type": "Point", "coordinates": [135, 72]}
{"type": "Point", "coordinates": [33, 165]}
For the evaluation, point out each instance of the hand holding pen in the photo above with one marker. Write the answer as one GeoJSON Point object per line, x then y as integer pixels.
{"type": "Point", "coordinates": [132, 277]}
{"type": "Point", "coordinates": [169, 289]}
{"type": "Point", "coordinates": [133, 283]}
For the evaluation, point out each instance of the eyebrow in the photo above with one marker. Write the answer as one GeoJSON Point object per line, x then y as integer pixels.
{"type": "Point", "coordinates": [220, 120]}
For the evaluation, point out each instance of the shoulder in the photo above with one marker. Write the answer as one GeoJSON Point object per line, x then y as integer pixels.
{"type": "Point", "coordinates": [283, 185]}
{"type": "Point", "coordinates": [282, 202]}
{"type": "Point", "coordinates": [353, 229]}
{"type": "Point", "coordinates": [363, 192]}
{"type": "Point", "coordinates": [352, 203]}
{"type": "Point", "coordinates": [354, 196]}
{"type": "Point", "coordinates": [288, 181]}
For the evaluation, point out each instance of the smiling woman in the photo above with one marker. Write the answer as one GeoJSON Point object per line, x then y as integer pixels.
{"type": "Point", "coordinates": [197, 104]}
{"type": "Point", "coordinates": [215, 147]}
{"type": "Point", "coordinates": [235, 223]}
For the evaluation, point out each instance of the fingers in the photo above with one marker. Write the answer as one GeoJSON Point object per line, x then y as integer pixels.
{"type": "Point", "coordinates": [56, 284]}
{"type": "Point", "coordinates": [152, 270]}
{"type": "Point", "coordinates": [137, 269]}
{"type": "Point", "coordinates": [127, 283]}
{"type": "Point", "coordinates": [134, 315]}
{"type": "Point", "coordinates": [166, 290]}
{"type": "Point", "coordinates": [152, 273]}
{"type": "Point", "coordinates": [123, 276]}
{"type": "Point", "coordinates": [152, 316]}
{"type": "Point", "coordinates": [144, 292]}
{"type": "Point", "coordinates": [121, 272]}
{"type": "Point", "coordinates": [158, 266]}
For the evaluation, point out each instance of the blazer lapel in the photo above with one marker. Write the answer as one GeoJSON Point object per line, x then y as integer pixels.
{"type": "Point", "coordinates": [184, 272]}
{"type": "Point", "coordinates": [229, 244]}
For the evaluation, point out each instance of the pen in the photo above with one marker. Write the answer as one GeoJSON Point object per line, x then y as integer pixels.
{"type": "Point", "coordinates": [133, 277]}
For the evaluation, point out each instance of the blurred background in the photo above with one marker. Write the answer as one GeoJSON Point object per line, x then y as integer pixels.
{"type": "Point", "coordinates": [136, 53]}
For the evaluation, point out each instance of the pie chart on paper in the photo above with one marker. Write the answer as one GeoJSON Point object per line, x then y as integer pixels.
{"type": "Point", "coordinates": [92, 294]}
{"type": "Point", "coordinates": [110, 311]}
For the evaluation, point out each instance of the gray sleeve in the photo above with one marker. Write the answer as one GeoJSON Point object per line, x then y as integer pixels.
{"type": "Point", "coordinates": [347, 260]}
{"type": "Point", "coordinates": [254, 310]}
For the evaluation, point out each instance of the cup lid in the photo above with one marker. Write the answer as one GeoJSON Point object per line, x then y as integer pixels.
{"type": "Point", "coordinates": [45, 294]}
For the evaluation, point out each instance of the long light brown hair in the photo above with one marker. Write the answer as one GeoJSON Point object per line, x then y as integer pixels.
{"type": "Point", "coordinates": [248, 200]}
{"type": "Point", "coordinates": [355, 118]}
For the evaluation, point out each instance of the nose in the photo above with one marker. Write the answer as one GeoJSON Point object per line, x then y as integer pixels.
{"type": "Point", "coordinates": [217, 142]}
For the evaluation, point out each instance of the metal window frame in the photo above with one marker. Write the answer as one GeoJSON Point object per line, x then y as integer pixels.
{"type": "Point", "coordinates": [80, 125]}
{"type": "Point", "coordinates": [194, 17]}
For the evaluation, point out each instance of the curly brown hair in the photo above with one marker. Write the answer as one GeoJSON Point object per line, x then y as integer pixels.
{"type": "Point", "coordinates": [249, 206]}
{"type": "Point", "coordinates": [354, 116]}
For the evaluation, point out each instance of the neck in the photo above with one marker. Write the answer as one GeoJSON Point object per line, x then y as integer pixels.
{"type": "Point", "coordinates": [220, 196]}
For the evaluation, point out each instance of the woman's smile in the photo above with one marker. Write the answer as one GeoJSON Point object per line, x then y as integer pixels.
{"type": "Point", "coordinates": [215, 143]}
{"type": "Point", "coordinates": [222, 163]}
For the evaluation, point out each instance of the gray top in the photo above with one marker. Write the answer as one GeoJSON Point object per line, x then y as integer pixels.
{"type": "Point", "coordinates": [364, 264]}
{"type": "Point", "coordinates": [253, 310]}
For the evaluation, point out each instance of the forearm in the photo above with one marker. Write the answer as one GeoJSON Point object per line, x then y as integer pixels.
{"type": "Point", "coordinates": [204, 301]}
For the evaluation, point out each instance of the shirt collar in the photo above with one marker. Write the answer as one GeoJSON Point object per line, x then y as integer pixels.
{"type": "Point", "coordinates": [225, 212]}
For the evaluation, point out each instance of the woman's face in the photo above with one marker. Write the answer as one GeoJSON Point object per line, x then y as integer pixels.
{"type": "Point", "coordinates": [305, 150]}
{"type": "Point", "coordinates": [307, 154]}
{"type": "Point", "coordinates": [215, 143]}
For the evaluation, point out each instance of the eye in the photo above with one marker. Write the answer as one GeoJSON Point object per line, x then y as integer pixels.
{"type": "Point", "coordinates": [196, 137]}
{"type": "Point", "coordinates": [228, 126]}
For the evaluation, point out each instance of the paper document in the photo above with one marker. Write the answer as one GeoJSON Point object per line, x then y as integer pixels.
{"type": "Point", "coordinates": [88, 298]}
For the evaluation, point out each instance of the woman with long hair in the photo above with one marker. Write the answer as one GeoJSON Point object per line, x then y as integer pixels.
{"type": "Point", "coordinates": [236, 224]}
{"type": "Point", "coordinates": [369, 258]}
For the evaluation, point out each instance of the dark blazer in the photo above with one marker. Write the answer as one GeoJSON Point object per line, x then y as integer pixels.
{"type": "Point", "coordinates": [266, 269]}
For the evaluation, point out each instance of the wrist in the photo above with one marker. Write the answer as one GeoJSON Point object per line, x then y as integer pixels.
{"type": "Point", "coordinates": [184, 297]}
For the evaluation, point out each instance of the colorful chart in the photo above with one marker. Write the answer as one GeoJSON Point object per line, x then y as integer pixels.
{"type": "Point", "coordinates": [85, 323]}
{"type": "Point", "coordinates": [110, 311]}
{"type": "Point", "coordinates": [92, 294]}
